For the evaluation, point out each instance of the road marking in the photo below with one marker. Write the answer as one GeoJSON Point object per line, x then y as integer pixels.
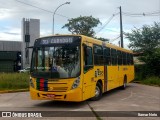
{"type": "Point", "coordinates": [131, 94]}
{"type": "Point", "coordinates": [135, 105]}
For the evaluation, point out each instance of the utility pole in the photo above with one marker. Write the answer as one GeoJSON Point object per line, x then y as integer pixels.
{"type": "Point", "coordinates": [121, 27]}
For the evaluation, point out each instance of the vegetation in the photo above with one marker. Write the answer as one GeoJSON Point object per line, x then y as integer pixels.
{"type": "Point", "coordinates": [102, 39]}
{"type": "Point", "coordinates": [82, 25]}
{"type": "Point", "coordinates": [147, 41]}
{"type": "Point", "coordinates": [143, 76]}
{"type": "Point", "coordinates": [14, 81]}
{"type": "Point", "coordinates": [155, 81]}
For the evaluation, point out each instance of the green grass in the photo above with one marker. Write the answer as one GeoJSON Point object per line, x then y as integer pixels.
{"type": "Point", "coordinates": [151, 81]}
{"type": "Point", "coordinates": [14, 81]}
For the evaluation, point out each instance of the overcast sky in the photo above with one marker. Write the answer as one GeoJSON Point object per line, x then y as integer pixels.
{"type": "Point", "coordinates": [12, 12]}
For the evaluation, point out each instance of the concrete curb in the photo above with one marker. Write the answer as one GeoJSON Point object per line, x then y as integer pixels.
{"type": "Point", "coordinates": [138, 82]}
{"type": "Point", "coordinates": [11, 91]}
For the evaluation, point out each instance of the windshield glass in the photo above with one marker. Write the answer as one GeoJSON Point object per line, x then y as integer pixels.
{"type": "Point", "coordinates": [62, 61]}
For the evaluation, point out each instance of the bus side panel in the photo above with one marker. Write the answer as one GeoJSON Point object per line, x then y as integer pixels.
{"type": "Point", "coordinates": [130, 73]}
{"type": "Point", "coordinates": [88, 84]}
{"type": "Point", "coordinates": [121, 75]}
{"type": "Point", "coordinates": [113, 80]}
{"type": "Point", "coordinates": [90, 80]}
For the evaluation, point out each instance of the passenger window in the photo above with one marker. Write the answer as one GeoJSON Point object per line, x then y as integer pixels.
{"type": "Point", "coordinates": [124, 59]}
{"type": "Point", "coordinates": [88, 58]}
{"type": "Point", "coordinates": [119, 53]}
{"type": "Point", "coordinates": [107, 57]}
{"type": "Point", "coordinates": [98, 55]}
{"type": "Point", "coordinates": [114, 56]}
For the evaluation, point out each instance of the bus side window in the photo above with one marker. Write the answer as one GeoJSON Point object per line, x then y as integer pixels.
{"type": "Point", "coordinates": [124, 59]}
{"type": "Point", "coordinates": [107, 58]}
{"type": "Point", "coordinates": [114, 56]}
{"type": "Point", "coordinates": [98, 55]}
{"type": "Point", "coordinates": [88, 58]}
{"type": "Point", "coordinates": [119, 53]}
{"type": "Point", "coordinates": [131, 59]}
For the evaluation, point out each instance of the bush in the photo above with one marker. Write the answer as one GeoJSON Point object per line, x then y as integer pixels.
{"type": "Point", "coordinates": [142, 72]}
{"type": "Point", "coordinates": [145, 75]}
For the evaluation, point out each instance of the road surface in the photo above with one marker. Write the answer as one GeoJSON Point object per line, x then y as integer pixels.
{"type": "Point", "coordinates": [135, 97]}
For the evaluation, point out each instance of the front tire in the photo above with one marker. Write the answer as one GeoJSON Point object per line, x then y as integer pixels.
{"type": "Point", "coordinates": [98, 92]}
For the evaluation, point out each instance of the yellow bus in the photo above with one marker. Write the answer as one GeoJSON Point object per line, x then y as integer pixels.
{"type": "Point", "coordinates": [77, 67]}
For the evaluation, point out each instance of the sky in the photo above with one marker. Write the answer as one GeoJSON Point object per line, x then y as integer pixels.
{"type": "Point", "coordinates": [135, 14]}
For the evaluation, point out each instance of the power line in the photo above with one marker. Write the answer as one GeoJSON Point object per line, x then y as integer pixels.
{"type": "Point", "coordinates": [155, 13]}
{"type": "Point", "coordinates": [109, 29]}
{"type": "Point", "coordinates": [112, 40]}
{"type": "Point", "coordinates": [42, 9]}
{"type": "Point", "coordinates": [107, 22]}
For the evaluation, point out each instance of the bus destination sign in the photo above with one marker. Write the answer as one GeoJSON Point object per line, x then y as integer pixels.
{"type": "Point", "coordinates": [56, 40]}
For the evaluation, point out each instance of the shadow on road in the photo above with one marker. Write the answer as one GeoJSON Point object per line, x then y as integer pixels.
{"type": "Point", "coordinates": [60, 104]}
{"type": "Point", "coordinates": [114, 92]}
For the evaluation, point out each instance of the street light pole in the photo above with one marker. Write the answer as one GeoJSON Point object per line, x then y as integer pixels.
{"type": "Point", "coordinates": [55, 13]}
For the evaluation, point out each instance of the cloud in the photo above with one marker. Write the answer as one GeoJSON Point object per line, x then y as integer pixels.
{"type": "Point", "coordinates": [12, 12]}
{"type": "Point", "coordinates": [10, 33]}
{"type": "Point", "coordinates": [6, 36]}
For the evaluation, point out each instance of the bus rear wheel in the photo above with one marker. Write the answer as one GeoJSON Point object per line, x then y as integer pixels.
{"type": "Point", "coordinates": [98, 92]}
{"type": "Point", "coordinates": [123, 87]}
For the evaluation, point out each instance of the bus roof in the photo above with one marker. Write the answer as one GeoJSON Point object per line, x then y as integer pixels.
{"type": "Point", "coordinates": [95, 41]}
{"type": "Point", "coordinates": [99, 42]}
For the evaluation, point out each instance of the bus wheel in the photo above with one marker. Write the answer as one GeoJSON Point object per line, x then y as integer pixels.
{"type": "Point", "coordinates": [98, 92]}
{"type": "Point", "coordinates": [124, 83]}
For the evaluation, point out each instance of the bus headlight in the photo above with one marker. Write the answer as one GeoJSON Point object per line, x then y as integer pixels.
{"type": "Point", "coordinates": [31, 83]}
{"type": "Point", "coordinates": [76, 83]}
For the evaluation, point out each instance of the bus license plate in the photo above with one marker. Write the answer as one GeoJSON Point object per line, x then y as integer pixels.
{"type": "Point", "coordinates": [50, 95]}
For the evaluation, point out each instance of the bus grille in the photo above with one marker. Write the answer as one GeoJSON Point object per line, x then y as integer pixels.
{"type": "Point", "coordinates": [43, 85]}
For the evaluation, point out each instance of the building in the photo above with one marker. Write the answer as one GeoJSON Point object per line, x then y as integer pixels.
{"type": "Point", "coordinates": [15, 55]}
{"type": "Point", "coordinates": [10, 56]}
{"type": "Point", "coordinates": [30, 32]}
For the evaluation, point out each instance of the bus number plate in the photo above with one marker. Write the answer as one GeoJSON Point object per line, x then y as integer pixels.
{"type": "Point", "coordinates": [50, 95]}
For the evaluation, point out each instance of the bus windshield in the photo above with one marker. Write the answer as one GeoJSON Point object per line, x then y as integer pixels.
{"type": "Point", "coordinates": [60, 61]}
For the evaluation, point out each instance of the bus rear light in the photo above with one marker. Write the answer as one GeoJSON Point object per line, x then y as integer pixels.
{"type": "Point", "coordinates": [76, 83]}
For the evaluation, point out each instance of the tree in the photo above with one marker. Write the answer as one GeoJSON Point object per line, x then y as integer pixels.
{"type": "Point", "coordinates": [147, 41]}
{"type": "Point", "coordinates": [102, 39]}
{"type": "Point", "coordinates": [82, 25]}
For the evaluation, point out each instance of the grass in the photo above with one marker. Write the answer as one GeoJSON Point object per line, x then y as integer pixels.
{"type": "Point", "coordinates": [152, 80]}
{"type": "Point", "coordinates": [146, 75]}
{"type": "Point", "coordinates": [14, 81]}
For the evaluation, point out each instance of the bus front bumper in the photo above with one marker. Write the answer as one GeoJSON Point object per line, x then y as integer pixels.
{"type": "Point", "coordinates": [71, 95]}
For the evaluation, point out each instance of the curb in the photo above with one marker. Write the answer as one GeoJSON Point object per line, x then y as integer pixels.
{"type": "Point", "coordinates": [146, 84]}
{"type": "Point", "coordinates": [12, 91]}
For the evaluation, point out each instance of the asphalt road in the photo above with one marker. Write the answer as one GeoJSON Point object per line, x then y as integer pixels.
{"type": "Point", "coordinates": [135, 97]}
